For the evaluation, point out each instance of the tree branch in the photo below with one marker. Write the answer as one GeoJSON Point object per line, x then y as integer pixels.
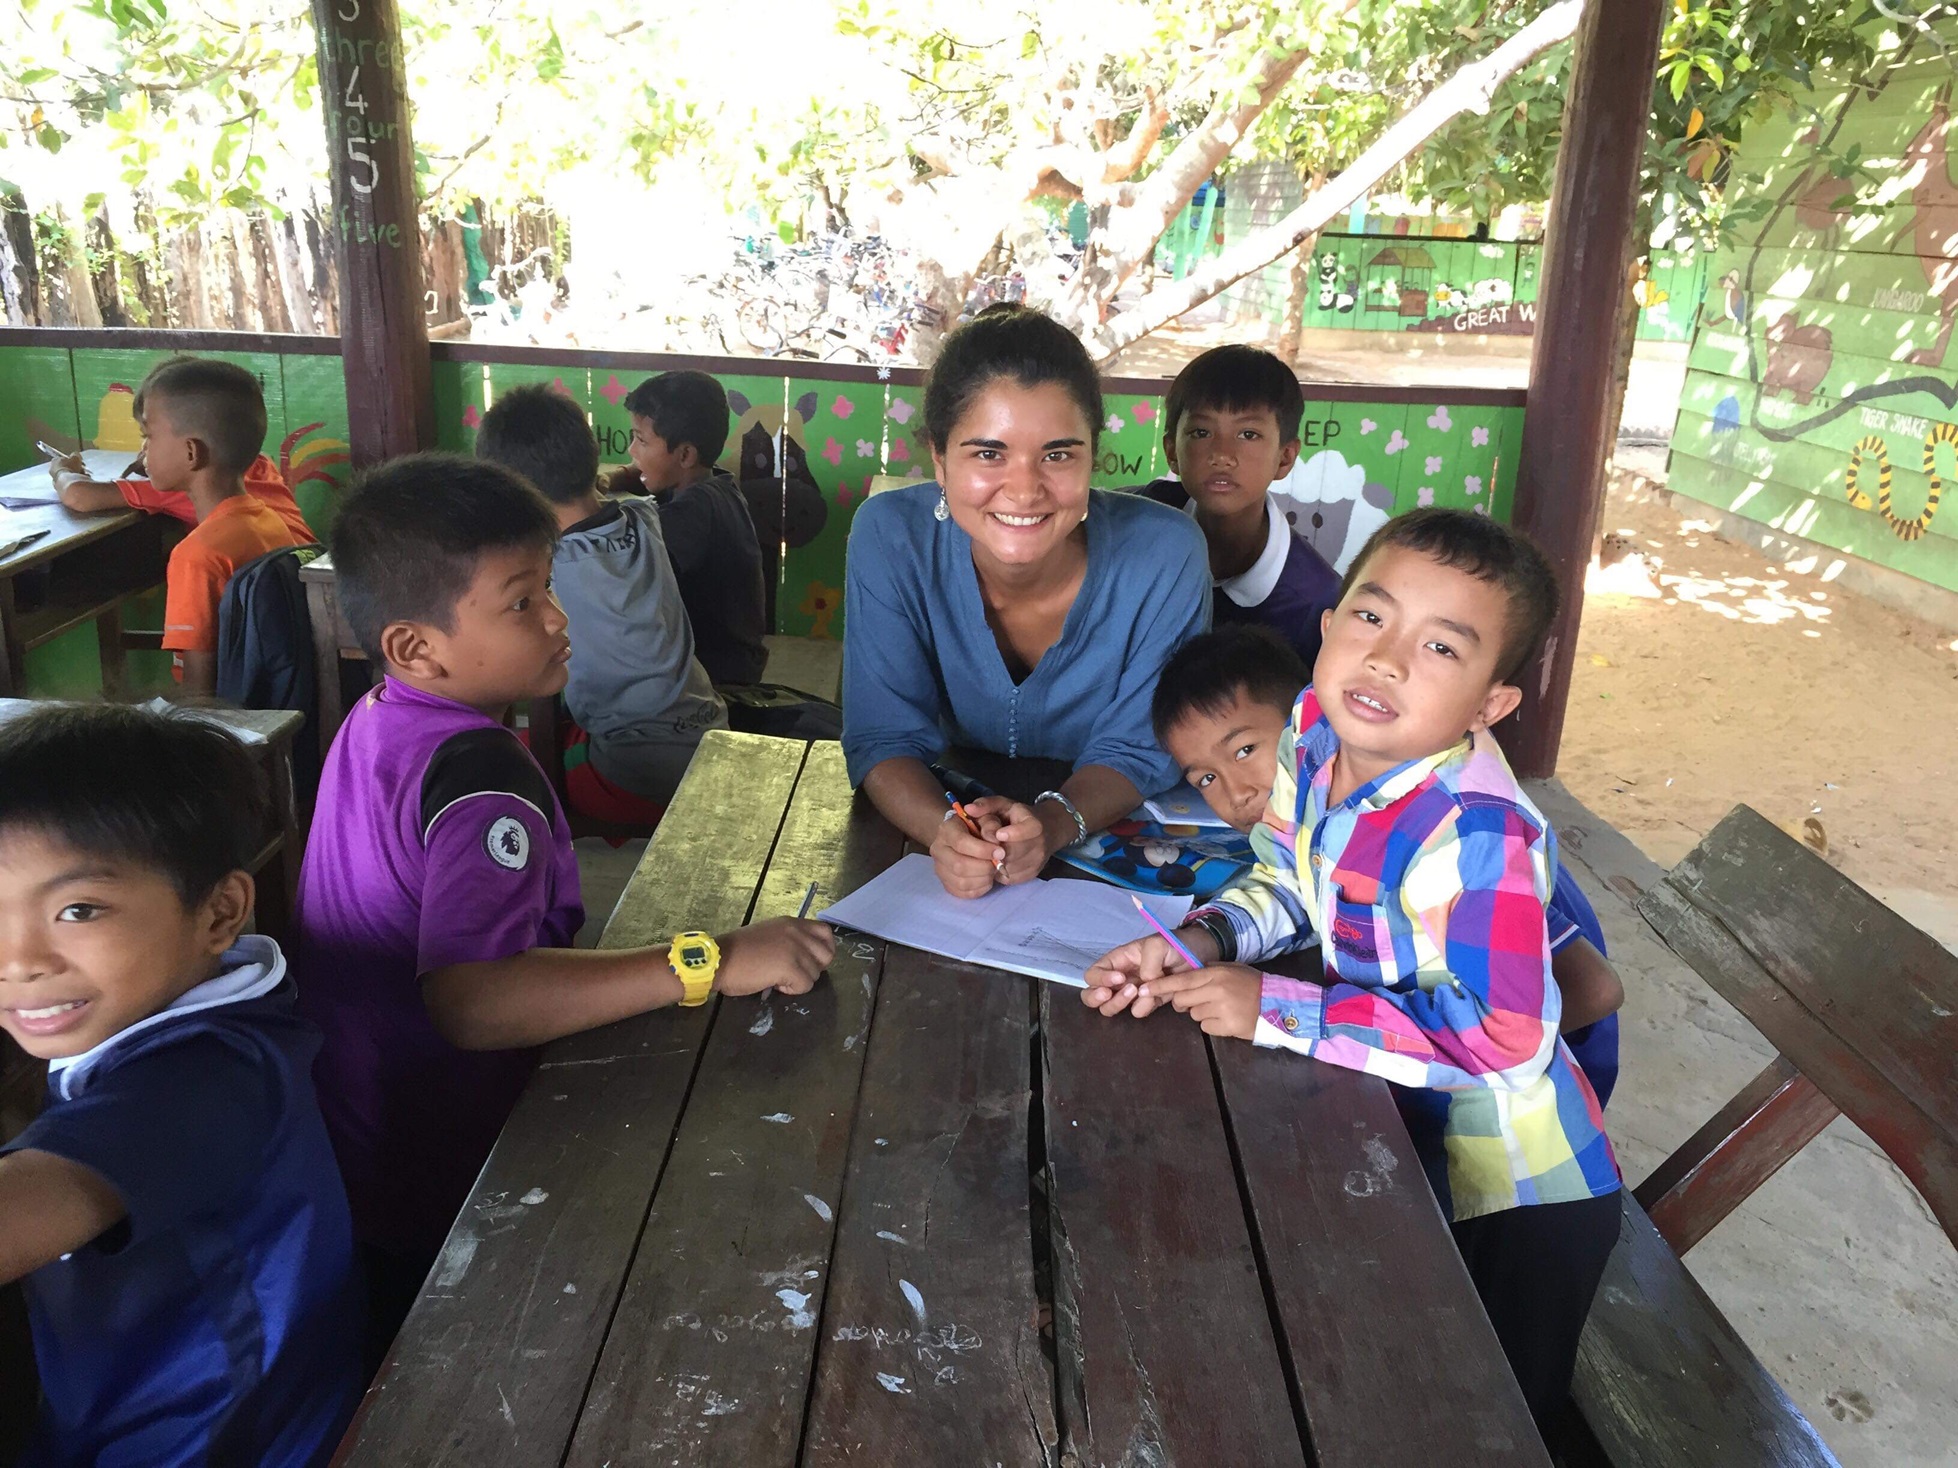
{"type": "Point", "coordinates": [1469, 90]}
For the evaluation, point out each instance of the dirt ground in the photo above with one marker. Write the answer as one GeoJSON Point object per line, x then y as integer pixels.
{"type": "Point", "coordinates": [1707, 676]}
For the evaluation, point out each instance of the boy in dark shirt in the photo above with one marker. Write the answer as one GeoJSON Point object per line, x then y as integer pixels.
{"type": "Point", "coordinates": [174, 1213]}
{"type": "Point", "coordinates": [679, 427]}
{"type": "Point", "coordinates": [1230, 431]}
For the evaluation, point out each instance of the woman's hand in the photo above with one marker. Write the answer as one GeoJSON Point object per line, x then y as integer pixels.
{"type": "Point", "coordinates": [1120, 977]}
{"type": "Point", "coordinates": [1021, 833]}
{"type": "Point", "coordinates": [967, 865]}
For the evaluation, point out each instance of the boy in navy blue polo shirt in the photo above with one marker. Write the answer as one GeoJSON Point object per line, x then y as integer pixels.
{"type": "Point", "coordinates": [1230, 431]}
{"type": "Point", "coordinates": [174, 1213]}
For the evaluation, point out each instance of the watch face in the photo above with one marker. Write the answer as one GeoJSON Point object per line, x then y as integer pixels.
{"type": "Point", "coordinates": [693, 955]}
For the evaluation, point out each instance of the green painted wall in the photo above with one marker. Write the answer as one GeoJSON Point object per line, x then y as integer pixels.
{"type": "Point", "coordinates": [1426, 283]}
{"type": "Point", "coordinates": [1821, 385]}
{"type": "Point", "coordinates": [1360, 462]}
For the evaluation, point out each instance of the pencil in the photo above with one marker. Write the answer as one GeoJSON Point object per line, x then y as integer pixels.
{"type": "Point", "coordinates": [971, 825]}
{"type": "Point", "coordinates": [807, 898]}
{"type": "Point", "coordinates": [1168, 937]}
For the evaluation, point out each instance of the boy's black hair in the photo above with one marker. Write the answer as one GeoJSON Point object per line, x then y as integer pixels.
{"type": "Point", "coordinates": [218, 402]}
{"type": "Point", "coordinates": [1012, 341]}
{"type": "Point", "coordinates": [1236, 379]}
{"type": "Point", "coordinates": [684, 407]}
{"type": "Point", "coordinates": [408, 538]}
{"type": "Point", "coordinates": [1212, 670]}
{"type": "Point", "coordinates": [167, 792]}
{"type": "Point", "coordinates": [543, 436]}
{"type": "Point", "coordinates": [1488, 551]}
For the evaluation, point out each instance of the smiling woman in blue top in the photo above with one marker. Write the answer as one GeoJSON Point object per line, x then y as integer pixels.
{"type": "Point", "coordinates": [1011, 608]}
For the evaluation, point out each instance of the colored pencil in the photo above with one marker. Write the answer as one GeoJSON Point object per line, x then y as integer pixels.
{"type": "Point", "coordinates": [1168, 937]}
{"type": "Point", "coordinates": [807, 898]}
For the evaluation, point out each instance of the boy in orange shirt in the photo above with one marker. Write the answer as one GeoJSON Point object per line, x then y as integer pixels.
{"type": "Point", "coordinates": [203, 426]}
{"type": "Point", "coordinates": [136, 491]}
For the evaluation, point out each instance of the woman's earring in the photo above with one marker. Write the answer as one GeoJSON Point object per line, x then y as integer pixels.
{"type": "Point", "coordinates": [941, 510]}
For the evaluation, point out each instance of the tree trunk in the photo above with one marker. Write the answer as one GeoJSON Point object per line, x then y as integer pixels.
{"type": "Point", "coordinates": [1469, 90]}
{"type": "Point", "coordinates": [105, 280]}
{"type": "Point", "coordinates": [1298, 286]}
{"type": "Point", "coordinates": [246, 313]}
{"type": "Point", "coordinates": [23, 270]}
{"type": "Point", "coordinates": [271, 301]}
{"type": "Point", "coordinates": [292, 276]}
{"type": "Point", "coordinates": [326, 271]}
{"type": "Point", "coordinates": [145, 277]}
{"type": "Point", "coordinates": [77, 290]}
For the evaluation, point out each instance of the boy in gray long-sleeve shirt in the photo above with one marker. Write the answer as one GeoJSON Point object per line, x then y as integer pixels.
{"type": "Point", "coordinates": [636, 687]}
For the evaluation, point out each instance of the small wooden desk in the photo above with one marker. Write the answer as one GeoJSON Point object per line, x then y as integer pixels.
{"type": "Point", "coordinates": [82, 570]}
{"type": "Point", "coordinates": [926, 1214]}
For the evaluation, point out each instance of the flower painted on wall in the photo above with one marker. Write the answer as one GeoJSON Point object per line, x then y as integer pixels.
{"type": "Point", "coordinates": [833, 451]}
{"type": "Point", "coordinates": [819, 604]}
{"type": "Point", "coordinates": [1479, 436]}
{"type": "Point", "coordinates": [470, 417]}
{"type": "Point", "coordinates": [1115, 425]}
{"type": "Point", "coordinates": [1395, 442]}
{"type": "Point", "coordinates": [901, 410]}
{"type": "Point", "coordinates": [614, 390]}
{"type": "Point", "coordinates": [1143, 411]}
{"type": "Point", "coordinates": [1473, 484]}
{"type": "Point", "coordinates": [1424, 496]}
{"type": "Point", "coordinates": [866, 449]}
{"type": "Point", "coordinates": [842, 407]}
{"type": "Point", "coordinates": [900, 451]}
{"type": "Point", "coordinates": [1367, 425]}
{"type": "Point", "coordinates": [1439, 419]}
{"type": "Point", "coordinates": [1434, 463]}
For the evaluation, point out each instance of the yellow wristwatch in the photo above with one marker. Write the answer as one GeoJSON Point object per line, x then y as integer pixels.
{"type": "Point", "coordinates": [696, 958]}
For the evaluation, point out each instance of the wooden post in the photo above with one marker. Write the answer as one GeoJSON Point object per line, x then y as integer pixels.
{"type": "Point", "coordinates": [1560, 465]}
{"type": "Point", "coordinates": [376, 230]}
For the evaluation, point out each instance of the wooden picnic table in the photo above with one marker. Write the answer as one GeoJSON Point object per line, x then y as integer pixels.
{"type": "Point", "coordinates": [81, 569]}
{"type": "Point", "coordinates": [928, 1213]}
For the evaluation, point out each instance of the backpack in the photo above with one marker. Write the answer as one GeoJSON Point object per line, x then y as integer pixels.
{"type": "Point", "coordinates": [265, 650]}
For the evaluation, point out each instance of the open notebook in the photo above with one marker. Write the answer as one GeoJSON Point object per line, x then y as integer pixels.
{"type": "Point", "coordinates": [1049, 929]}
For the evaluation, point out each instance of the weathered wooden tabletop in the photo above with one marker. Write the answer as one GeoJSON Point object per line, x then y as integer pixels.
{"type": "Point", "coordinates": [928, 1213]}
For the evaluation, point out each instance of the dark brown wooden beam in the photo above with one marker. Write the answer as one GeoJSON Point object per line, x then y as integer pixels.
{"type": "Point", "coordinates": [376, 228]}
{"type": "Point", "coordinates": [1587, 254]}
{"type": "Point", "coordinates": [1718, 1168]}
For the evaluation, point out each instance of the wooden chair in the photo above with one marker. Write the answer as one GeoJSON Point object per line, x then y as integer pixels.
{"type": "Point", "coordinates": [1861, 1007]}
{"type": "Point", "coordinates": [549, 725]}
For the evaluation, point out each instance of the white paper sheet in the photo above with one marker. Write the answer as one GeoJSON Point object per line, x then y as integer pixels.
{"type": "Point", "coordinates": [1050, 930]}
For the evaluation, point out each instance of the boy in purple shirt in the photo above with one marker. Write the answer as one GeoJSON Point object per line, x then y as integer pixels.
{"type": "Point", "coordinates": [439, 894]}
{"type": "Point", "coordinates": [1231, 430]}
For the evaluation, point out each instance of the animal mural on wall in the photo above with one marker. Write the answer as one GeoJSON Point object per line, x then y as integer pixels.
{"type": "Point", "coordinates": [1934, 221]}
{"type": "Point", "coordinates": [1798, 359]}
{"type": "Point", "coordinates": [787, 505]}
{"type": "Point", "coordinates": [1330, 503]}
{"type": "Point", "coordinates": [1338, 289]}
{"type": "Point", "coordinates": [1871, 450]}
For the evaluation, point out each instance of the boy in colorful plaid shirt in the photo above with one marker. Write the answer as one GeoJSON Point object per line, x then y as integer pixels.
{"type": "Point", "coordinates": [1408, 842]}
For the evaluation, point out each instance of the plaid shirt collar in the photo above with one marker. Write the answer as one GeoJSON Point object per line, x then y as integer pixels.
{"type": "Point", "coordinates": [1321, 744]}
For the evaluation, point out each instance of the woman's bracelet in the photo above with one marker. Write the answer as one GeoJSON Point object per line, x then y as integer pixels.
{"type": "Point", "coordinates": [1080, 826]}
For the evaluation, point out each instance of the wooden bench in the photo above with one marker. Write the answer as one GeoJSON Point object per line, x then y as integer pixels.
{"type": "Point", "coordinates": [1863, 1009]}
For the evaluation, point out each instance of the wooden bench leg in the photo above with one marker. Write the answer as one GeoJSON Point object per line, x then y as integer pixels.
{"type": "Point", "coordinates": [108, 646]}
{"type": "Point", "coordinates": [1715, 1170]}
